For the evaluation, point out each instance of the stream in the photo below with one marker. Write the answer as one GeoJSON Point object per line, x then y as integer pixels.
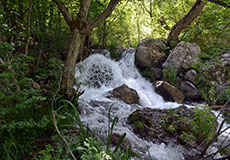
{"type": "Point", "coordinates": [98, 75]}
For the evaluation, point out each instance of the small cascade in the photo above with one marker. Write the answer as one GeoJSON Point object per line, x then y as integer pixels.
{"type": "Point", "coordinates": [98, 75]}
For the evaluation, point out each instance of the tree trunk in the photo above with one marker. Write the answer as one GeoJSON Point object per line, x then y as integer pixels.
{"type": "Point", "coordinates": [76, 44]}
{"type": "Point", "coordinates": [186, 20]}
{"type": "Point", "coordinates": [79, 27]}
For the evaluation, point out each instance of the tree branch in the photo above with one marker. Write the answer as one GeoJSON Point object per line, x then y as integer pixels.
{"type": "Point", "coordinates": [186, 20]}
{"type": "Point", "coordinates": [221, 3]}
{"type": "Point", "coordinates": [95, 22]}
{"type": "Point", "coordinates": [84, 10]}
{"type": "Point", "coordinates": [68, 18]}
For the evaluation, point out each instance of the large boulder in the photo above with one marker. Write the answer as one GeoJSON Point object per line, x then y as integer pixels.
{"type": "Point", "coordinates": [169, 92]}
{"type": "Point", "coordinates": [168, 126]}
{"type": "Point", "coordinates": [154, 124]}
{"type": "Point", "coordinates": [182, 57]}
{"type": "Point", "coordinates": [190, 91]}
{"type": "Point", "coordinates": [124, 93]}
{"type": "Point", "coordinates": [150, 53]}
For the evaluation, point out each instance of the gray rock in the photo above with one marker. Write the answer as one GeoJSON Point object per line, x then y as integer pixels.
{"type": "Point", "coordinates": [150, 53]}
{"type": "Point", "coordinates": [150, 123]}
{"type": "Point", "coordinates": [217, 71]}
{"type": "Point", "coordinates": [124, 93]}
{"type": "Point", "coordinates": [191, 76]}
{"type": "Point", "coordinates": [182, 57]}
{"type": "Point", "coordinates": [169, 92]}
{"type": "Point", "coordinates": [190, 91]}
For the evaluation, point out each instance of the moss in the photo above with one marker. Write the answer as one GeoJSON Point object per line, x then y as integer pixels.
{"type": "Point", "coordinates": [134, 117]}
{"type": "Point", "coordinates": [138, 126]}
{"type": "Point", "coordinates": [147, 74]}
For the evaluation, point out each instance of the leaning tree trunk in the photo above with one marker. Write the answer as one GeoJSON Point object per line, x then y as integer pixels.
{"type": "Point", "coordinates": [186, 20]}
{"type": "Point", "coordinates": [76, 44]}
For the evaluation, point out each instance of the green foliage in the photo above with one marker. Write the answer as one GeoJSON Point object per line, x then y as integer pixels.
{"type": "Point", "coordinates": [204, 125]}
{"type": "Point", "coordinates": [170, 75]}
{"type": "Point", "coordinates": [114, 52]}
{"type": "Point", "coordinates": [22, 116]}
{"type": "Point", "coordinates": [211, 93]}
{"type": "Point", "coordinates": [210, 31]}
{"type": "Point", "coordinates": [45, 154]}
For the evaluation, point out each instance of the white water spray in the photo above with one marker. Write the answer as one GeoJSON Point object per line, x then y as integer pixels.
{"type": "Point", "coordinates": [98, 75]}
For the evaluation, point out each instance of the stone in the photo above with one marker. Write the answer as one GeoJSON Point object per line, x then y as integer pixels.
{"type": "Point", "coordinates": [150, 123]}
{"type": "Point", "coordinates": [182, 57]}
{"type": "Point", "coordinates": [191, 76]}
{"type": "Point", "coordinates": [169, 92]}
{"type": "Point", "coordinates": [150, 53]}
{"type": "Point", "coordinates": [218, 70]}
{"type": "Point", "coordinates": [124, 93]}
{"type": "Point", "coordinates": [190, 91]}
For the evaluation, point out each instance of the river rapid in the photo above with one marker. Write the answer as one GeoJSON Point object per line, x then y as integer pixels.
{"type": "Point", "coordinates": [98, 75]}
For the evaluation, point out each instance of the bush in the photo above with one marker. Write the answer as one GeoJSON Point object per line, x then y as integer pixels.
{"type": "Point", "coordinates": [25, 112]}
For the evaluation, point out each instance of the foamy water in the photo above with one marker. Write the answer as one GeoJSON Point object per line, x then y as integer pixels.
{"type": "Point", "coordinates": [98, 75]}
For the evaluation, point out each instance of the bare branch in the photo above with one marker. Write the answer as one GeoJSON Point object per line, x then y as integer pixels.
{"type": "Point", "coordinates": [186, 20]}
{"type": "Point", "coordinates": [84, 10]}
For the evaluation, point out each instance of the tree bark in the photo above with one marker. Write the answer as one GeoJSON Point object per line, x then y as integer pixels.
{"type": "Point", "coordinates": [186, 20]}
{"type": "Point", "coordinates": [76, 44]}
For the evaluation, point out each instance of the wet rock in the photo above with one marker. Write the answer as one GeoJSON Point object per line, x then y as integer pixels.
{"type": "Point", "coordinates": [150, 53]}
{"type": "Point", "coordinates": [156, 123]}
{"type": "Point", "coordinates": [124, 93]}
{"type": "Point", "coordinates": [191, 76]}
{"type": "Point", "coordinates": [182, 57]}
{"type": "Point", "coordinates": [190, 91]}
{"type": "Point", "coordinates": [169, 92]}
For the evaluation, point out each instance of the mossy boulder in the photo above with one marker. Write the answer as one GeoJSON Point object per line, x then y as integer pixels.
{"type": "Point", "coordinates": [160, 124]}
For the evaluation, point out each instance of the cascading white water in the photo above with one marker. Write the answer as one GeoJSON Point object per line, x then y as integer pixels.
{"type": "Point", "coordinates": [98, 74]}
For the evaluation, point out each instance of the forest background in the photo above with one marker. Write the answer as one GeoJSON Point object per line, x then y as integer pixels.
{"type": "Point", "coordinates": [34, 39]}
